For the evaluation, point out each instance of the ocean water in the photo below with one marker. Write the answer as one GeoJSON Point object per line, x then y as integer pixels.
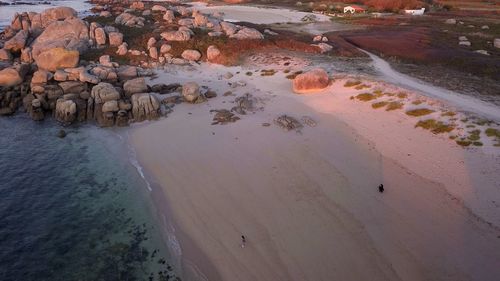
{"type": "Point", "coordinates": [74, 208]}
{"type": "Point", "coordinates": [7, 11]}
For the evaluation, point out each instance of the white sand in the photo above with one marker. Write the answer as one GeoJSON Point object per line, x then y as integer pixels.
{"type": "Point", "coordinates": [308, 202]}
{"type": "Point", "coordinates": [257, 15]}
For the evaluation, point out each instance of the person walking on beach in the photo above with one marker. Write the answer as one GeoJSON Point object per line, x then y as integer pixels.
{"type": "Point", "coordinates": [243, 241]}
{"type": "Point", "coordinates": [381, 188]}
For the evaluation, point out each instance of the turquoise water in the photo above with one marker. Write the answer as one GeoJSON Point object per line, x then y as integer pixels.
{"type": "Point", "coordinates": [74, 208]}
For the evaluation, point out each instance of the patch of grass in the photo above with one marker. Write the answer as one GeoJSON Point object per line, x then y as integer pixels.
{"type": "Point", "coordinates": [492, 132]}
{"type": "Point", "coordinates": [379, 104]}
{"type": "Point", "coordinates": [482, 122]}
{"type": "Point", "coordinates": [378, 93]}
{"type": "Point", "coordinates": [351, 83]}
{"type": "Point", "coordinates": [474, 135]}
{"type": "Point", "coordinates": [402, 95]}
{"type": "Point", "coordinates": [249, 73]}
{"type": "Point", "coordinates": [449, 113]}
{"type": "Point", "coordinates": [362, 86]}
{"type": "Point", "coordinates": [365, 97]}
{"type": "Point", "coordinates": [286, 71]}
{"type": "Point", "coordinates": [293, 75]}
{"type": "Point", "coordinates": [464, 143]}
{"type": "Point", "coordinates": [394, 105]}
{"type": "Point", "coordinates": [417, 102]}
{"type": "Point", "coordinates": [477, 143]}
{"type": "Point", "coordinates": [419, 112]}
{"type": "Point", "coordinates": [389, 94]}
{"type": "Point", "coordinates": [268, 72]}
{"type": "Point", "coordinates": [436, 127]}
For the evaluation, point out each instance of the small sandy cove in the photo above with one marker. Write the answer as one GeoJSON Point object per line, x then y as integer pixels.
{"type": "Point", "coordinates": [308, 201]}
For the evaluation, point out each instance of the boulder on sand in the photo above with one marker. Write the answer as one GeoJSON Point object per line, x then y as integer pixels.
{"type": "Point", "coordinates": [191, 91]}
{"type": "Point", "coordinates": [312, 81]}
{"type": "Point", "coordinates": [191, 55]}
{"type": "Point", "coordinates": [247, 33]}
{"type": "Point", "coordinates": [56, 58]}
{"type": "Point", "coordinates": [180, 35]}
{"type": "Point", "coordinates": [212, 53]}
{"type": "Point", "coordinates": [104, 92]}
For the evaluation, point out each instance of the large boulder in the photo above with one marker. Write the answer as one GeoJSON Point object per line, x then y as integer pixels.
{"type": "Point", "coordinates": [10, 77]}
{"type": "Point", "coordinates": [191, 55]}
{"type": "Point", "coordinates": [169, 16]}
{"type": "Point", "coordinates": [134, 86]}
{"type": "Point", "coordinates": [191, 91]}
{"type": "Point", "coordinates": [70, 34]}
{"type": "Point", "coordinates": [247, 33]}
{"type": "Point", "coordinates": [104, 92]}
{"type": "Point", "coordinates": [65, 111]}
{"type": "Point", "coordinates": [41, 77]}
{"type": "Point", "coordinates": [311, 81]}
{"type": "Point", "coordinates": [212, 53]}
{"type": "Point", "coordinates": [53, 59]}
{"type": "Point", "coordinates": [229, 28]}
{"type": "Point", "coordinates": [180, 35]}
{"type": "Point", "coordinates": [17, 43]}
{"type": "Point", "coordinates": [56, 14]}
{"type": "Point", "coordinates": [100, 36]}
{"type": "Point", "coordinates": [145, 107]}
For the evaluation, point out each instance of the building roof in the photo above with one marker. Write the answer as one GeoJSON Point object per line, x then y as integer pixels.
{"type": "Point", "coordinates": [356, 7]}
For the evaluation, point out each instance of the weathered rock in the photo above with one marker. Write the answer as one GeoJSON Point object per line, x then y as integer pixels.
{"type": "Point", "coordinates": [122, 49]}
{"type": "Point", "coordinates": [53, 59]}
{"type": "Point", "coordinates": [169, 16]}
{"type": "Point", "coordinates": [110, 106]}
{"type": "Point", "coordinates": [60, 75]}
{"type": "Point", "coordinates": [72, 87]}
{"type": "Point", "coordinates": [223, 116]}
{"type": "Point", "coordinates": [324, 48]}
{"type": "Point", "coordinates": [129, 20]}
{"type": "Point", "coordinates": [158, 8]}
{"type": "Point", "coordinates": [200, 20]}
{"type": "Point", "coordinates": [450, 21]}
{"type": "Point", "coordinates": [191, 55]}
{"type": "Point", "coordinates": [247, 33]}
{"type": "Point", "coordinates": [215, 34]}
{"type": "Point", "coordinates": [89, 78]}
{"type": "Point", "coordinates": [71, 34]}
{"type": "Point", "coordinates": [287, 123]}
{"type": "Point", "coordinates": [100, 36]}
{"type": "Point", "coordinates": [122, 118]}
{"type": "Point", "coordinates": [65, 111]}
{"type": "Point", "coordinates": [36, 110]}
{"type": "Point", "coordinates": [176, 35]}
{"type": "Point", "coordinates": [496, 43]}
{"type": "Point", "coordinates": [151, 42]}
{"type": "Point", "coordinates": [153, 53]}
{"type": "Point", "coordinates": [138, 5]}
{"type": "Point", "coordinates": [134, 86]}
{"type": "Point", "coordinates": [18, 42]}
{"type": "Point", "coordinates": [212, 53]}
{"type": "Point", "coordinates": [146, 13]}
{"type": "Point", "coordinates": [127, 72]}
{"type": "Point", "coordinates": [41, 77]}
{"type": "Point", "coordinates": [26, 55]}
{"type": "Point", "coordinates": [115, 39]}
{"type": "Point", "coordinates": [228, 28]}
{"type": "Point", "coordinates": [191, 91]}
{"type": "Point", "coordinates": [5, 55]}
{"type": "Point", "coordinates": [10, 77]}
{"type": "Point", "coordinates": [311, 81]}
{"type": "Point", "coordinates": [105, 14]}
{"type": "Point", "coordinates": [165, 48]}
{"type": "Point", "coordinates": [56, 14]}
{"type": "Point", "coordinates": [104, 92]}
{"type": "Point", "coordinates": [145, 107]}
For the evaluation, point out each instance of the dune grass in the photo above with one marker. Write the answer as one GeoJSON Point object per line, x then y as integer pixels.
{"type": "Point", "coordinates": [436, 127]}
{"type": "Point", "coordinates": [365, 97]}
{"type": "Point", "coordinates": [351, 83]}
{"type": "Point", "coordinates": [402, 95]}
{"type": "Point", "coordinates": [379, 104]}
{"type": "Point", "coordinates": [362, 86]}
{"type": "Point", "coordinates": [394, 105]}
{"type": "Point", "coordinates": [474, 135]}
{"type": "Point", "coordinates": [419, 112]}
{"type": "Point", "coordinates": [492, 132]}
{"type": "Point", "coordinates": [449, 113]}
{"type": "Point", "coordinates": [268, 72]}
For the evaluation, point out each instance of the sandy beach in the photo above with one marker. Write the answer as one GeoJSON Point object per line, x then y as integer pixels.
{"type": "Point", "coordinates": [308, 201]}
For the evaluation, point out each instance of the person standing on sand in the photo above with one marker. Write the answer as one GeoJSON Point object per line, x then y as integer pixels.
{"type": "Point", "coordinates": [381, 188]}
{"type": "Point", "coordinates": [243, 241]}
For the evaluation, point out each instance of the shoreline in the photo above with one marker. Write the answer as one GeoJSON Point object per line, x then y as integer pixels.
{"type": "Point", "coordinates": [164, 155]}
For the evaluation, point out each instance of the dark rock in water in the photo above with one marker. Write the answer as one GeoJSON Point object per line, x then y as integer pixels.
{"type": "Point", "coordinates": [61, 134]}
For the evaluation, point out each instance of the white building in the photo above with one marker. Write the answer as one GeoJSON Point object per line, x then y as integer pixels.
{"type": "Point", "coordinates": [353, 9]}
{"type": "Point", "coordinates": [419, 12]}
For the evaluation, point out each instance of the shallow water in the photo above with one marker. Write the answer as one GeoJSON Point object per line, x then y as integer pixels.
{"type": "Point", "coordinates": [8, 11]}
{"type": "Point", "coordinates": [74, 208]}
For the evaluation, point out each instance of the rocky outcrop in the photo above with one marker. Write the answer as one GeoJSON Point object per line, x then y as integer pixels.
{"type": "Point", "coordinates": [312, 81]}
{"type": "Point", "coordinates": [5, 55]}
{"type": "Point", "coordinates": [129, 20]}
{"type": "Point", "coordinates": [169, 16]}
{"type": "Point", "coordinates": [229, 28]}
{"type": "Point", "coordinates": [115, 39]}
{"type": "Point", "coordinates": [53, 59]}
{"type": "Point", "coordinates": [145, 107]}
{"type": "Point", "coordinates": [56, 14]}
{"type": "Point", "coordinates": [122, 49]}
